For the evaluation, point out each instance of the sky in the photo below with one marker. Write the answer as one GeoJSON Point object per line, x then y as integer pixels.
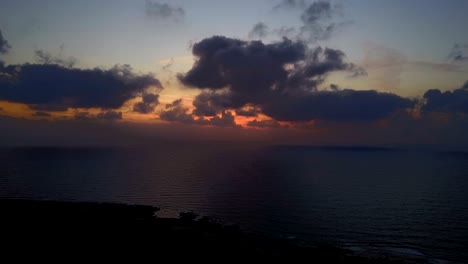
{"type": "Point", "coordinates": [283, 71]}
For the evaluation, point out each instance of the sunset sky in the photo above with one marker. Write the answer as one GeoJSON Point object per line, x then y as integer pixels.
{"type": "Point", "coordinates": [286, 71]}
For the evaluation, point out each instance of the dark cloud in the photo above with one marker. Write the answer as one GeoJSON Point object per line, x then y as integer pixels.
{"type": "Point", "coordinates": [53, 87]}
{"type": "Point", "coordinates": [109, 115]}
{"type": "Point", "coordinates": [241, 65]}
{"type": "Point", "coordinates": [459, 53]}
{"type": "Point", "coordinates": [211, 103]}
{"type": "Point", "coordinates": [175, 103]}
{"type": "Point", "coordinates": [158, 10]}
{"type": "Point", "coordinates": [225, 120]}
{"type": "Point", "coordinates": [260, 30]}
{"type": "Point", "coordinates": [44, 57]}
{"type": "Point", "coordinates": [41, 114]}
{"type": "Point", "coordinates": [148, 103]}
{"type": "Point", "coordinates": [282, 80]}
{"type": "Point", "coordinates": [358, 72]}
{"type": "Point", "coordinates": [4, 45]}
{"type": "Point", "coordinates": [447, 102]}
{"type": "Point", "coordinates": [316, 67]}
{"type": "Point", "coordinates": [334, 87]}
{"type": "Point", "coordinates": [264, 123]}
{"type": "Point", "coordinates": [247, 111]}
{"type": "Point", "coordinates": [343, 106]}
{"type": "Point", "coordinates": [176, 112]}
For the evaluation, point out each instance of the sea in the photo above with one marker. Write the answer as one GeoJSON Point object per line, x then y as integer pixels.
{"type": "Point", "coordinates": [373, 201]}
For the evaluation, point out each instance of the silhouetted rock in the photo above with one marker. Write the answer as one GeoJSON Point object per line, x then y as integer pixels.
{"type": "Point", "coordinates": [114, 231]}
{"type": "Point", "coordinates": [188, 216]}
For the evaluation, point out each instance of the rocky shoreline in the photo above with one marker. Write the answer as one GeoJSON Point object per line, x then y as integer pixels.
{"type": "Point", "coordinates": [113, 230]}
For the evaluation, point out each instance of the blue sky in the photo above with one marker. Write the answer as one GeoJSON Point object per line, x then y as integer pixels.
{"type": "Point", "coordinates": [108, 32]}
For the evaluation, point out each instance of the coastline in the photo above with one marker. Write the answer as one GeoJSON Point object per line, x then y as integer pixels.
{"type": "Point", "coordinates": [83, 228]}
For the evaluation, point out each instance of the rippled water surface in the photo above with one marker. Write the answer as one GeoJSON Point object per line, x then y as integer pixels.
{"type": "Point", "coordinates": [410, 202]}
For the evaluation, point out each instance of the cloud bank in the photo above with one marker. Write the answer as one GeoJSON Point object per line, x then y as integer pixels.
{"type": "Point", "coordinates": [282, 80]}
{"type": "Point", "coordinates": [53, 87]}
{"type": "Point", "coordinates": [447, 102]}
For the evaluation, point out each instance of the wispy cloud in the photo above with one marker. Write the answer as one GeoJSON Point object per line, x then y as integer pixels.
{"type": "Point", "coordinates": [259, 30]}
{"type": "Point", "coordinates": [4, 45]}
{"type": "Point", "coordinates": [164, 11]}
{"type": "Point", "coordinates": [459, 53]}
{"type": "Point", "coordinates": [320, 19]}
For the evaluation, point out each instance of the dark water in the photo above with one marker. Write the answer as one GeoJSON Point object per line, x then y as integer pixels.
{"type": "Point", "coordinates": [407, 202]}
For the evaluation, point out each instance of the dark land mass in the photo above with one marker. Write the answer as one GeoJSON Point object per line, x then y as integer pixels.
{"type": "Point", "coordinates": [71, 231]}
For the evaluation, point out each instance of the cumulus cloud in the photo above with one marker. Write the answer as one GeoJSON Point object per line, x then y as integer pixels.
{"type": "Point", "coordinates": [53, 87]}
{"type": "Point", "coordinates": [259, 30]}
{"type": "Point", "coordinates": [343, 106]}
{"type": "Point", "coordinates": [4, 45]}
{"type": "Point", "coordinates": [226, 119]}
{"type": "Point", "coordinates": [148, 103]}
{"type": "Point", "coordinates": [447, 102]}
{"type": "Point", "coordinates": [459, 53]}
{"type": "Point", "coordinates": [256, 67]}
{"type": "Point", "coordinates": [211, 103]}
{"type": "Point", "coordinates": [281, 79]}
{"type": "Point", "coordinates": [174, 103]}
{"type": "Point", "coordinates": [164, 11]}
{"type": "Point", "coordinates": [176, 112]}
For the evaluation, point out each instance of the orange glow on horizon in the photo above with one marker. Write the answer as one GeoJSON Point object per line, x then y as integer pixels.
{"type": "Point", "coordinates": [20, 110]}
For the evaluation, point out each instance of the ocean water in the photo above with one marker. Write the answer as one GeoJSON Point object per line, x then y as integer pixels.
{"type": "Point", "coordinates": [368, 200]}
